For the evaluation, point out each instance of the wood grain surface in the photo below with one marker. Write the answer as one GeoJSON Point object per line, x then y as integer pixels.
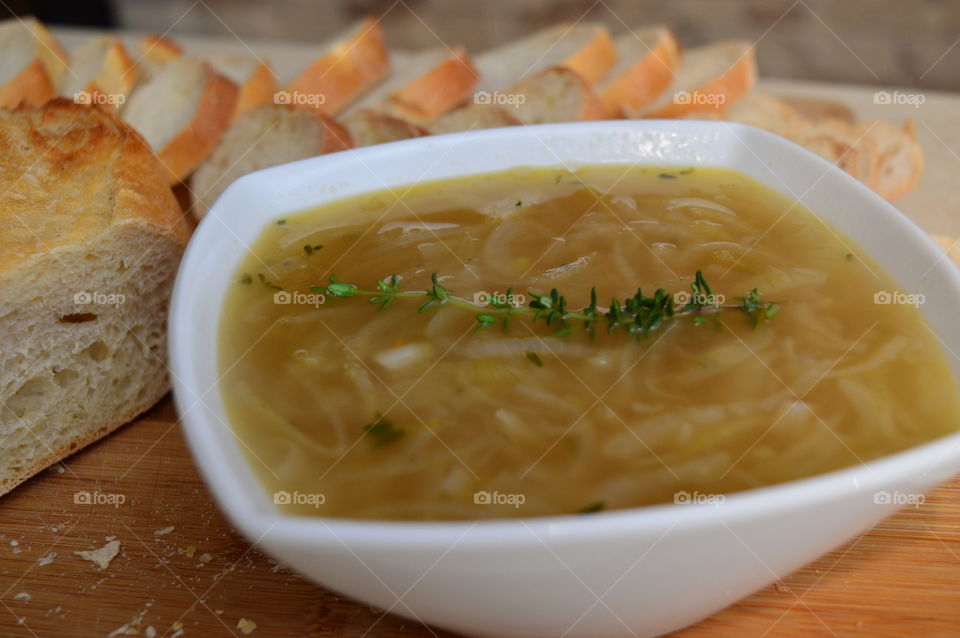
{"type": "Point", "coordinates": [182, 571]}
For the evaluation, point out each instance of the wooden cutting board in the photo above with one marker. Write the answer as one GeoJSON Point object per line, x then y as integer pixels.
{"type": "Point", "coordinates": [181, 570]}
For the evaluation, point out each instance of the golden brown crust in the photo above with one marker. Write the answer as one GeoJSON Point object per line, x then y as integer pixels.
{"type": "Point", "coordinates": [437, 91]}
{"type": "Point", "coordinates": [89, 149]}
{"type": "Point", "coordinates": [156, 49]}
{"type": "Point", "coordinates": [347, 70]}
{"type": "Point", "coordinates": [716, 95]}
{"type": "Point", "coordinates": [213, 115]}
{"type": "Point", "coordinates": [593, 61]}
{"type": "Point", "coordinates": [257, 90]}
{"type": "Point", "coordinates": [650, 76]}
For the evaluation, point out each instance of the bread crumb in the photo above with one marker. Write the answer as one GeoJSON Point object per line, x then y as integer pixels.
{"type": "Point", "coordinates": [164, 531]}
{"type": "Point", "coordinates": [246, 626]}
{"type": "Point", "coordinates": [150, 632]}
{"type": "Point", "coordinates": [24, 596]}
{"type": "Point", "coordinates": [191, 550]}
{"type": "Point", "coordinates": [102, 557]}
{"type": "Point", "coordinates": [177, 629]}
{"type": "Point", "coordinates": [46, 560]}
{"type": "Point", "coordinates": [205, 558]}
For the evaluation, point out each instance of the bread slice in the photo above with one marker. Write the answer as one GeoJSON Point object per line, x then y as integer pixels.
{"type": "Point", "coordinates": [585, 48]}
{"type": "Point", "coordinates": [345, 70]}
{"type": "Point", "coordinates": [91, 242]}
{"type": "Point", "coordinates": [155, 52]}
{"type": "Point", "coordinates": [182, 113]}
{"type": "Point", "coordinates": [368, 127]}
{"type": "Point", "coordinates": [32, 63]}
{"type": "Point", "coordinates": [711, 79]}
{"type": "Point", "coordinates": [264, 137]}
{"type": "Point", "coordinates": [555, 95]}
{"type": "Point", "coordinates": [427, 85]}
{"type": "Point", "coordinates": [472, 117]}
{"type": "Point", "coordinates": [848, 146]}
{"type": "Point", "coordinates": [900, 162]}
{"type": "Point", "coordinates": [253, 76]}
{"type": "Point", "coordinates": [102, 73]}
{"type": "Point", "coordinates": [816, 110]}
{"type": "Point", "coordinates": [647, 63]}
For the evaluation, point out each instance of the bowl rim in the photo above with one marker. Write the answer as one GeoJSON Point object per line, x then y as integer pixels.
{"type": "Point", "coordinates": [249, 515]}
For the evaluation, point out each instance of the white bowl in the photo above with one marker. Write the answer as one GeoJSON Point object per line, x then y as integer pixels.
{"type": "Point", "coordinates": [642, 571]}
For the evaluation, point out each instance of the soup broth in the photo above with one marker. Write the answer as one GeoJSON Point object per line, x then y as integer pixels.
{"type": "Point", "coordinates": [350, 410]}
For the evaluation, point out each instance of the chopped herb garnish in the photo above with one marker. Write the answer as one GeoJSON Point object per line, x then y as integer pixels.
{"type": "Point", "coordinates": [312, 249]}
{"type": "Point", "coordinates": [638, 315]}
{"type": "Point", "coordinates": [667, 176]}
{"type": "Point", "coordinates": [519, 203]}
{"type": "Point", "coordinates": [592, 508]}
{"type": "Point", "coordinates": [245, 279]}
{"type": "Point", "coordinates": [686, 171]}
{"type": "Point", "coordinates": [849, 256]}
{"type": "Point", "coordinates": [383, 432]}
{"type": "Point", "coordinates": [281, 222]}
{"type": "Point", "coordinates": [266, 282]}
{"type": "Point", "coordinates": [534, 358]}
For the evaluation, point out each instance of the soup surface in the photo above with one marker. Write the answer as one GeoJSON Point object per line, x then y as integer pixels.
{"type": "Point", "coordinates": [350, 410]}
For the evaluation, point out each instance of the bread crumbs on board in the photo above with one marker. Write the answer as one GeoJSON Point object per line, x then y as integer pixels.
{"type": "Point", "coordinates": [246, 626]}
{"type": "Point", "coordinates": [101, 557]}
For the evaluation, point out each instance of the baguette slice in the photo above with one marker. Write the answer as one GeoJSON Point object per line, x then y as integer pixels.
{"type": "Point", "coordinates": [648, 61]}
{"type": "Point", "coordinates": [585, 48]}
{"type": "Point", "coordinates": [32, 63]}
{"type": "Point", "coordinates": [346, 70]}
{"type": "Point", "coordinates": [182, 113]}
{"type": "Point", "coordinates": [264, 137]}
{"type": "Point", "coordinates": [555, 95]}
{"type": "Point", "coordinates": [103, 73]}
{"type": "Point", "coordinates": [711, 80]}
{"type": "Point", "coordinates": [900, 157]}
{"type": "Point", "coordinates": [91, 243]}
{"type": "Point", "coordinates": [472, 117]}
{"type": "Point", "coordinates": [156, 52]}
{"type": "Point", "coordinates": [253, 76]}
{"type": "Point", "coordinates": [368, 127]}
{"type": "Point", "coordinates": [427, 85]}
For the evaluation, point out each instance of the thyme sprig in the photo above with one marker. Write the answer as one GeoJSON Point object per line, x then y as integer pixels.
{"type": "Point", "coordinates": [638, 315]}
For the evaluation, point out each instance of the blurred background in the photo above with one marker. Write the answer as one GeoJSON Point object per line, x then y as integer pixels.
{"type": "Point", "coordinates": [912, 43]}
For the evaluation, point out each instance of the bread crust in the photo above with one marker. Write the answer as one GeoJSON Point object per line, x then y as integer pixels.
{"type": "Point", "coordinates": [348, 69]}
{"type": "Point", "coordinates": [594, 60]}
{"type": "Point", "coordinates": [31, 87]}
{"type": "Point", "coordinates": [649, 76]}
{"type": "Point", "coordinates": [198, 139]}
{"type": "Point", "coordinates": [438, 90]}
{"type": "Point", "coordinates": [257, 90]}
{"type": "Point", "coordinates": [54, 154]}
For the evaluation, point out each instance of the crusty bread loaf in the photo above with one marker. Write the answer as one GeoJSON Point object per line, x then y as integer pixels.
{"type": "Point", "coordinates": [182, 113]}
{"type": "Point", "coordinates": [32, 63]}
{"type": "Point", "coordinates": [91, 239]}
{"type": "Point", "coordinates": [264, 137]}
{"type": "Point", "coordinates": [102, 72]}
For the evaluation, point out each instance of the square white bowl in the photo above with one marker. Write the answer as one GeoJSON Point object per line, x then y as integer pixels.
{"type": "Point", "coordinates": [642, 571]}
